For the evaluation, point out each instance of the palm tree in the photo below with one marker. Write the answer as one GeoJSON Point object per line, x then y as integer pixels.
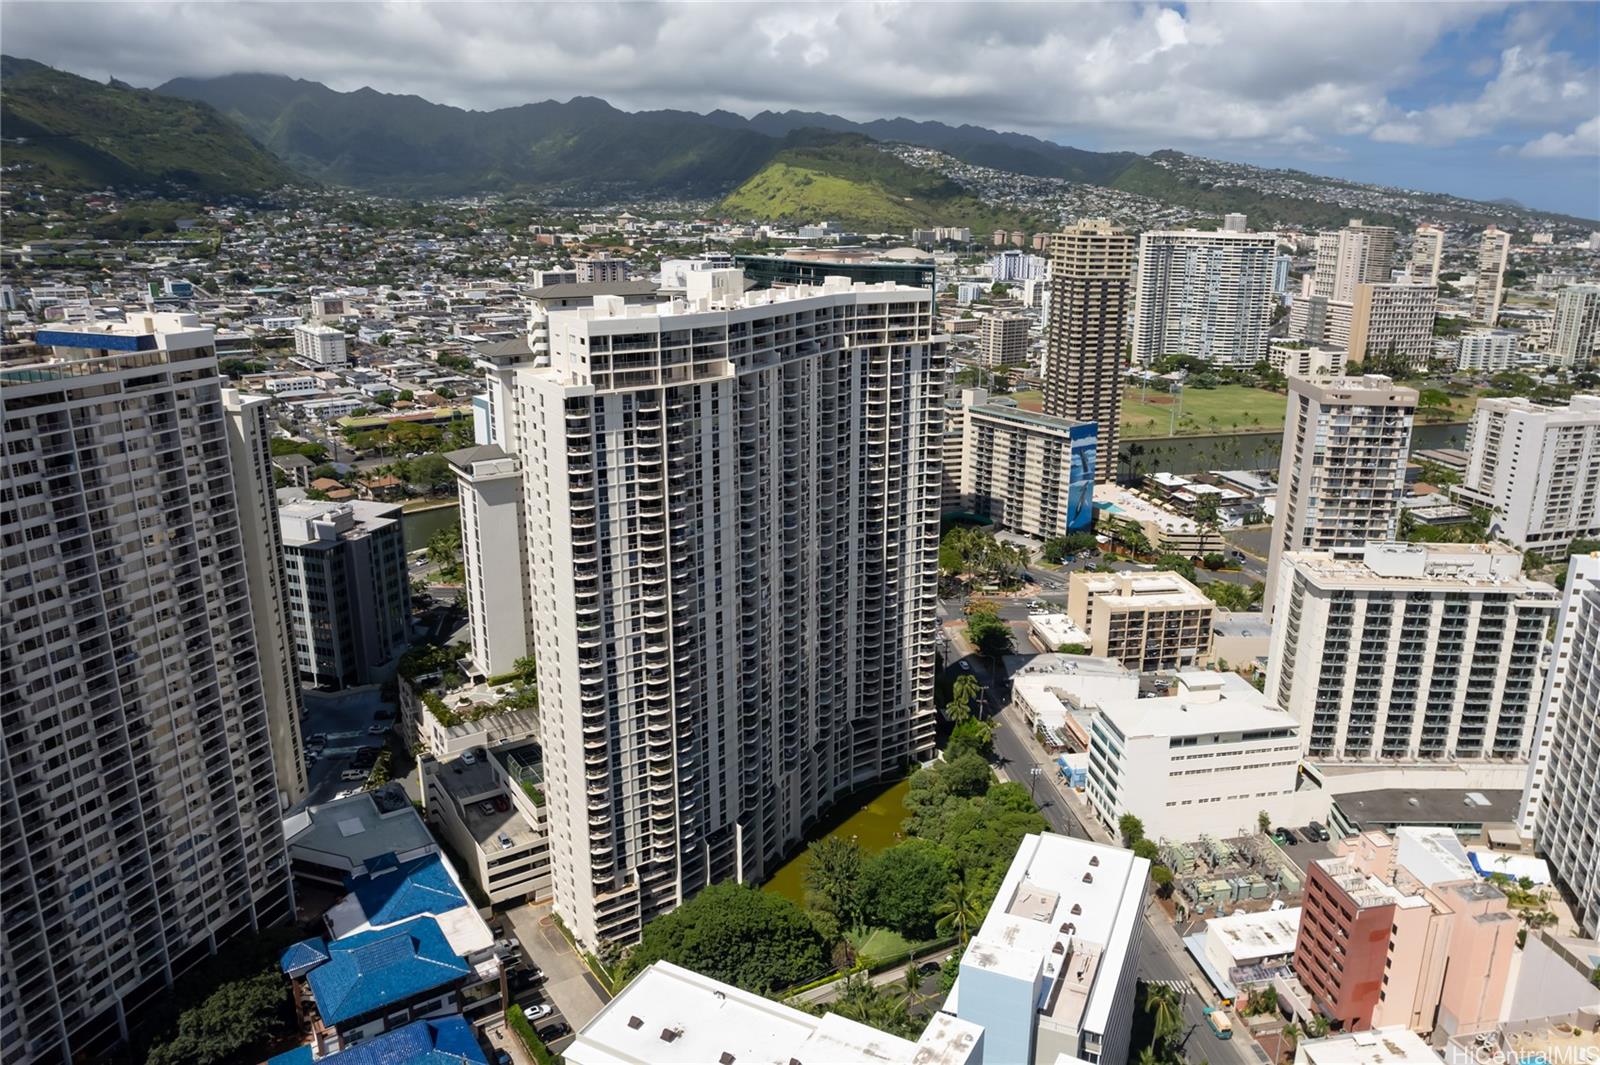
{"type": "Point", "coordinates": [960, 910]}
{"type": "Point", "coordinates": [1163, 1001]}
{"type": "Point", "coordinates": [911, 985]}
{"type": "Point", "coordinates": [1148, 1056]}
{"type": "Point", "coordinates": [1320, 1026]}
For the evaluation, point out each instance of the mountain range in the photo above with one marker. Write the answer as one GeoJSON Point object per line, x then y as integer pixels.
{"type": "Point", "coordinates": [248, 133]}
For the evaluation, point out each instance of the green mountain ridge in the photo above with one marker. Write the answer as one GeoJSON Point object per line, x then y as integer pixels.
{"type": "Point", "coordinates": [79, 133]}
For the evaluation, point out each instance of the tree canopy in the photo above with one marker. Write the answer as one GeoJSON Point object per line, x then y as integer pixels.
{"type": "Point", "coordinates": [755, 940]}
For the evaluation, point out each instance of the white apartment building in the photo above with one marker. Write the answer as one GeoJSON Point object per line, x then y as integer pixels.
{"type": "Point", "coordinates": [1575, 334]}
{"type": "Point", "coordinates": [1342, 472]}
{"type": "Point", "coordinates": [1202, 761]}
{"type": "Point", "coordinates": [1486, 350]}
{"type": "Point", "coordinates": [348, 599]}
{"type": "Point", "coordinates": [1583, 578]}
{"type": "Point", "coordinates": [730, 519]}
{"type": "Point", "coordinates": [321, 345]}
{"type": "Point", "coordinates": [1017, 265]}
{"type": "Point", "coordinates": [1026, 472]}
{"type": "Point", "coordinates": [1538, 469]}
{"type": "Point", "coordinates": [489, 486]}
{"type": "Point", "coordinates": [1354, 255]}
{"type": "Point", "coordinates": [1234, 223]}
{"type": "Point", "coordinates": [1410, 652]}
{"type": "Point", "coordinates": [1208, 294]}
{"type": "Point", "coordinates": [289, 387]}
{"type": "Point", "coordinates": [601, 268]}
{"type": "Point", "coordinates": [1489, 291]}
{"type": "Point", "coordinates": [1392, 319]}
{"type": "Point", "coordinates": [1427, 253]}
{"type": "Point", "coordinates": [1147, 621]}
{"type": "Point", "coordinates": [250, 448]}
{"type": "Point", "coordinates": [1003, 341]}
{"type": "Point", "coordinates": [1050, 974]}
{"type": "Point", "coordinates": [1299, 359]}
{"type": "Point", "coordinates": [955, 423]}
{"type": "Point", "coordinates": [141, 796]}
{"type": "Point", "coordinates": [1563, 797]}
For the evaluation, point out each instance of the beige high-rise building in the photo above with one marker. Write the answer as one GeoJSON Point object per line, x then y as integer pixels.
{"type": "Point", "coordinates": [730, 522]}
{"type": "Point", "coordinates": [1427, 253]}
{"type": "Point", "coordinates": [1003, 341]}
{"type": "Point", "coordinates": [1027, 472]}
{"type": "Point", "coordinates": [1342, 472]}
{"type": "Point", "coordinates": [141, 800]}
{"type": "Point", "coordinates": [1355, 254]}
{"type": "Point", "coordinates": [1392, 320]}
{"type": "Point", "coordinates": [1091, 280]}
{"type": "Point", "coordinates": [1493, 251]}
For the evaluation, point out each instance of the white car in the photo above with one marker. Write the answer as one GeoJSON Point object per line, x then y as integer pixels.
{"type": "Point", "coordinates": [539, 1012]}
{"type": "Point", "coordinates": [469, 756]}
{"type": "Point", "coordinates": [377, 728]}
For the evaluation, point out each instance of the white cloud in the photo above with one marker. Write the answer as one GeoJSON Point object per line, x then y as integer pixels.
{"type": "Point", "coordinates": [1585, 140]}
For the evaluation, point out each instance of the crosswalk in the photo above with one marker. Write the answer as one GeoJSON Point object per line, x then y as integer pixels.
{"type": "Point", "coordinates": [1182, 987]}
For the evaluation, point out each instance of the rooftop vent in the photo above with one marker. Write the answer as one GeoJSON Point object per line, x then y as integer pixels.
{"type": "Point", "coordinates": [1094, 859]}
{"type": "Point", "coordinates": [1057, 948]}
{"type": "Point", "coordinates": [1076, 909]}
{"type": "Point", "coordinates": [635, 1023]}
{"type": "Point", "coordinates": [669, 1034]}
{"type": "Point", "coordinates": [1088, 878]}
{"type": "Point", "coordinates": [726, 1058]}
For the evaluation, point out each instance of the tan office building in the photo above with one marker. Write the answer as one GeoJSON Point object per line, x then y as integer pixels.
{"type": "Point", "coordinates": [1003, 341]}
{"type": "Point", "coordinates": [1392, 319]}
{"type": "Point", "coordinates": [1487, 294]}
{"type": "Point", "coordinates": [1145, 620]}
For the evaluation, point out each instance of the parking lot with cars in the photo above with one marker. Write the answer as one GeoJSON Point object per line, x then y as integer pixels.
{"type": "Point", "coordinates": [342, 739]}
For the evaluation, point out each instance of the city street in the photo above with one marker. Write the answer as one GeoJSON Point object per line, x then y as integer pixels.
{"type": "Point", "coordinates": [1162, 958]}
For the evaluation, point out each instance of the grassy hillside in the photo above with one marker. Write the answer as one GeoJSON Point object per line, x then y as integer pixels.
{"type": "Point", "coordinates": [849, 181]}
{"type": "Point", "coordinates": [77, 133]}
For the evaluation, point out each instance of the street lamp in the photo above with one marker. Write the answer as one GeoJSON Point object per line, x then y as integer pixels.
{"type": "Point", "coordinates": [1033, 784]}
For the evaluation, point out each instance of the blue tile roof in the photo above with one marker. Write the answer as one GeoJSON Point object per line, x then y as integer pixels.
{"type": "Point", "coordinates": [303, 955]}
{"type": "Point", "coordinates": [371, 970]}
{"type": "Point", "coordinates": [300, 1055]}
{"type": "Point", "coordinates": [418, 887]}
{"type": "Point", "coordinates": [443, 1041]}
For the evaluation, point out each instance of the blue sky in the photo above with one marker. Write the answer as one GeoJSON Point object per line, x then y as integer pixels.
{"type": "Point", "coordinates": [1480, 99]}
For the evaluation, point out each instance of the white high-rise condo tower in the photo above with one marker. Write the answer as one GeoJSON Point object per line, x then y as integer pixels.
{"type": "Point", "coordinates": [1204, 293]}
{"type": "Point", "coordinates": [141, 803]}
{"type": "Point", "coordinates": [1342, 472]}
{"type": "Point", "coordinates": [1562, 803]}
{"type": "Point", "coordinates": [1427, 252]}
{"type": "Point", "coordinates": [730, 509]}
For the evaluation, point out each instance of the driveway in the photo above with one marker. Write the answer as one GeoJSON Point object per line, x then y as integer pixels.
{"type": "Point", "coordinates": [569, 985]}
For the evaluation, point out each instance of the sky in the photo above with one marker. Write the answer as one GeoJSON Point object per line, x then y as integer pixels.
{"type": "Point", "coordinates": [1484, 100]}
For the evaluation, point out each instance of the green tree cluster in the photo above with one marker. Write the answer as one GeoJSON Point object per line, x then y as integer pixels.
{"type": "Point", "coordinates": [233, 1024]}
{"type": "Point", "coordinates": [1057, 548]}
{"type": "Point", "coordinates": [969, 550]}
{"type": "Point", "coordinates": [991, 636]}
{"type": "Point", "coordinates": [1230, 596]}
{"type": "Point", "coordinates": [755, 940]}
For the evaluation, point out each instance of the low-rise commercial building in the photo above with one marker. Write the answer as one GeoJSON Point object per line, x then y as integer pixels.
{"type": "Point", "coordinates": [1146, 620]}
{"type": "Point", "coordinates": [1027, 472]}
{"type": "Point", "coordinates": [1051, 971]}
{"type": "Point", "coordinates": [1396, 1045]}
{"type": "Point", "coordinates": [1297, 358]}
{"type": "Point", "coordinates": [1166, 530]}
{"type": "Point", "coordinates": [1537, 467]}
{"type": "Point", "coordinates": [1204, 761]}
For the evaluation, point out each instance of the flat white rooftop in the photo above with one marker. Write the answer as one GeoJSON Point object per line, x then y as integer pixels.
{"type": "Point", "coordinates": [1248, 937]}
{"type": "Point", "coordinates": [1080, 895]}
{"type": "Point", "coordinates": [670, 1015]}
{"type": "Point", "coordinates": [1397, 1045]}
{"type": "Point", "coordinates": [1203, 702]}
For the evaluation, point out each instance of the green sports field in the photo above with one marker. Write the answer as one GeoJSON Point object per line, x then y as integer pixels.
{"type": "Point", "coordinates": [1224, 409]}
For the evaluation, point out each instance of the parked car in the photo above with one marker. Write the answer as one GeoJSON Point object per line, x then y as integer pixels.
{"type": "Point", "coordinates": [469, 756]}
{"type": "Point", "coordinates": [486, 807]}
{"type": "Point", "coordinates": [504, 841]}
{"type": "Point", "coordinates": [355, 773]}
{"type": "Point", "coordinates": [542, 1010]}
{"type": "Point", "coordinates": [966, 667]}
{"type": "Point", "coordinates": [551, 1033]}
{"type": "Point", "coordinates": [1285, 836]}
{"type": "Point", "coordinates": [1316, 832]}
{"type": "Point", "coordinates": [928, 968]}
{"type": "Point", "coordinates": [317, 739]}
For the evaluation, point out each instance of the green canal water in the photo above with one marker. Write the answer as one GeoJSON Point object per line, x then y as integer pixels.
{"type": "Point", "coordinates": [875, 825]}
